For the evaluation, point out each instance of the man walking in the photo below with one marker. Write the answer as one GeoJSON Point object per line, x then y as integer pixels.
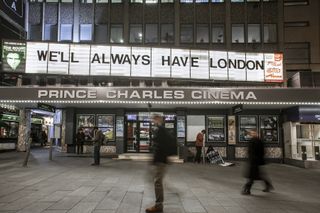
{"type": "Point", "coordinates": [97, 140]}
{"type": "Point", "coordinates": [199, 145]}
{"type": "Point", "coordinates": [161, 146]}
{"type": "Point", "coordinates": [256, 160]}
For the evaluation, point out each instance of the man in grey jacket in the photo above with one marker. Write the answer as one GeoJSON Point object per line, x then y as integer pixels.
{"type": "Point", "coordinates": [97, 141]}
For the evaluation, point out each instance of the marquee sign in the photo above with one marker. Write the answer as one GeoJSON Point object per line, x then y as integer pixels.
{"type": "Point", "coordinates": [132, 95]}
{"type": "Point", "coordinates": [98, 60]}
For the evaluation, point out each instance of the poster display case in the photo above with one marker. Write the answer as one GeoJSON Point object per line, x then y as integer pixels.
{"type": "Point", "coordinates": [216, 129]}
{"type": "Point", "coordinates": [247, 123]}
{"type": "Point", "coordinates": [86, 122]}
{"type": "Point", "coordinates": [181, 126]}
{"type": "Point", "coordinates": [106, 124]}
{"type": "Point", "coordinates": [269, 131]}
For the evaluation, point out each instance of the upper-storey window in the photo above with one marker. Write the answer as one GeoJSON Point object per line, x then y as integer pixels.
{"type": "Point", "coordinates": [101, 1]}
{"type": "Point", "coordinates": [202, 1]}
{"type": "Point", "coordinates": [186, 33]}
{"type": "Point", "coordinates": [237, 33]}
{"type": "Point", "coordinates": [202, 33]}
{"type": "Point", "coordinates": [186, 1]}
{"type": "Point", "coordinates": [116, 35]}
{"type": "Point", "coordinates": [151, 35]}
{"type": "Point", "coordinates": [218, 33]}
{"type": "Point", "coordinates": [50, 32]}
{"type": "Point", "coordinates": [136, 33]}
{"type": "Point", "coordinates": [296, 3]}
{"type": "Point", "coordinates": [237, 0]}
{"type": "Point", "coordinates": [85, 32]}
{"type": "Point", "coordinates": [116, 1]}
{"type": "Point", "coordinates": [167, 1]}
{"type": "Point", "coordinates": [66, 32]}
{"type": "Point", "coordinates": [217, 1]}
{"type": "Point", "coordinates": [254, 34]}
{"type": "Point", "coordinates": [270, 33]}
{"type": "Point", "coordinates": [167, 33]}
{"type": "Point", "coordinates": [151, 1]}
{"type": "Point", "coordinates": [136, 1]}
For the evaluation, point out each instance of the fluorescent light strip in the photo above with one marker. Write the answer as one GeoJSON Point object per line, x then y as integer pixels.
{"type": "Point", "coordinates": [3, 102]}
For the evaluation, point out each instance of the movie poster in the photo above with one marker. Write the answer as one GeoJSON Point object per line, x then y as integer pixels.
{"type": "Point", "coordinates": [232, 130]}
{"type": "Point", "coordinates": [269, 128]}
{"type": "Point", "coordinates": [247, 124]}
{"type": "Point", "coordinates": [13, 56]}
{"type": "Point", "coordinates": [181, 127]}
{"type": "Point", "coordinates": [216, 129]}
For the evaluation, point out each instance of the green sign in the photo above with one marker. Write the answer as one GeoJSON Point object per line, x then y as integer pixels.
{"type": "Point", "coordinates": [36, 121]}
{"type": "Point", "coordinates": [46, 107]}
{"type": "Point", "coordinates": [13, 56]}
{"type": "Point", "coordinates": [6, 117]}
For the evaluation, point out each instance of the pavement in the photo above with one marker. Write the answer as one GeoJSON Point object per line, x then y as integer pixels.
{"type": "Point", "coordinates": [70, 184]}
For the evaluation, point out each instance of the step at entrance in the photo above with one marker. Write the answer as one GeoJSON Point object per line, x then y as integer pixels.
{"type": "Point", "coordinates": [146, 157]}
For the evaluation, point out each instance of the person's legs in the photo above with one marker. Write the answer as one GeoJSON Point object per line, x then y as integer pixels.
{"type": "Point", "coordinates": [81, 148]}
{"type": "Point", "coordinates": [158, 184]}
{"type": "Point", "coordinates": [78, 148]}
{"type": "Point", "coordinates": [98, 155]}
{"type": "Point", "coordinates": [158, 188]}
{"type": "Point", "coordinates": [95, 155]}
{"type": "Point", "coordinates": [198, 154]}
{"type": "Point", "coordinates": [247, 187]}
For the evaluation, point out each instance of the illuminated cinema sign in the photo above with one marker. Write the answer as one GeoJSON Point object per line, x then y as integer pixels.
{"type": "Point", "coordinates": [99, 60]}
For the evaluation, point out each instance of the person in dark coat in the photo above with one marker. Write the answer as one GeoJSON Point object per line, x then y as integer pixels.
{"type": "Point", "coordinates": [80, 137]}
{"type": "Point", "coordinates": [97, 141]}
{"type": "Point", "coordinates": [256, 160]}
{"type": "Point", "coordinates": [160, 153]}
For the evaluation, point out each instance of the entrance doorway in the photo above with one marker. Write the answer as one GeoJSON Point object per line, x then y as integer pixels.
{"type": "Point", "coordinates": [139, 130]}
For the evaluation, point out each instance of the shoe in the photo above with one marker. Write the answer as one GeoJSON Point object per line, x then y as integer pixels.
{"type": "Point", "coordinates": [268, 189]}
{"type": "Point", "coordinates": [154, 209]}
{"type": "Point", "coordinates": [246, 192]}
{"type": "Point", "coordinates": [94, 164]}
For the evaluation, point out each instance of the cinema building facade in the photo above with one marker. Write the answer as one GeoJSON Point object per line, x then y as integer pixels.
{"type": "Point", "coordinates": [222, 84]}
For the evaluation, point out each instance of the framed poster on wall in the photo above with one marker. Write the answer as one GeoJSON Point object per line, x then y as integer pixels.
{"type": "Point", "coordinates": [269, 128]}
{"type": "Point", "coordinates": [232, 130]}
{"type": "Point", "coordinates": [181, 126]}
{"type": "Point", "coordinates": [86, 122]}
{"type": "Point", "coordinates": [106, 123]}
{"type": "Point", "coordinates": [216, 129]}
{"type": "Point", "coordinates": [247, 123]}
{"type": "Point", "coordinates": [119, 126]}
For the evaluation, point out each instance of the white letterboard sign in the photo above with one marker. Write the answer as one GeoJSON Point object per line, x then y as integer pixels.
{"type": "Point", "coordinates": [103, 60]}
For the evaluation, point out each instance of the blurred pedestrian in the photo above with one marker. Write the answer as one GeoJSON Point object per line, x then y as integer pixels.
{"type": "Point", "coordinates": [256, 160]}
{"type": "Point", "coordinates": [161, 150]}
{"type": "Point", "coordinates": [80, 138]}
{"type": "Point", "coordinates": [199, 145]}
{"type": "Point", "coordinates": [97, 141]}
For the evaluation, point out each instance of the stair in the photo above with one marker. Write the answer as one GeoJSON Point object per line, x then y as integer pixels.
{"type": "Point", "coordinates": [146, 157]}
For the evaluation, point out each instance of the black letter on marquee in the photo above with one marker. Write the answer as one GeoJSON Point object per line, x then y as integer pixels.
{"type": "Point", "coordinates": [42, 55]}
{"type": "Point", "coordinates": [194, 61]}
{"type": "Point", "coordinates": [146, 59]}
{"type": "Point", "coordinates": [165, 60]}
{"type": "Point", "coordinates": [95, 58]}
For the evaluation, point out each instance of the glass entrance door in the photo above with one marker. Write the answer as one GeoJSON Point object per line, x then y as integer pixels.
{"type": "Point", "coordinates": [139, 130]}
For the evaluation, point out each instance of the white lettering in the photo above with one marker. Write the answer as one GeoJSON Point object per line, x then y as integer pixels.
{"type": "Point", "coordinates": [179, 94]}
{"type": "Point", "coordinates": [196, 94]}
{"type": "Point", "coordinates": [167, 94]}
{"type": "Point", "coordinates": [42, 93]}
{"type": "Point", "coordinates": [251, 95]}
{"type": "Point", "coordinates": [111, 94]}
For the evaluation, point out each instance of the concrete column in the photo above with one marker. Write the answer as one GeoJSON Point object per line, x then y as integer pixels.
{"type": "Point", "coordinates": [24, 129]}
